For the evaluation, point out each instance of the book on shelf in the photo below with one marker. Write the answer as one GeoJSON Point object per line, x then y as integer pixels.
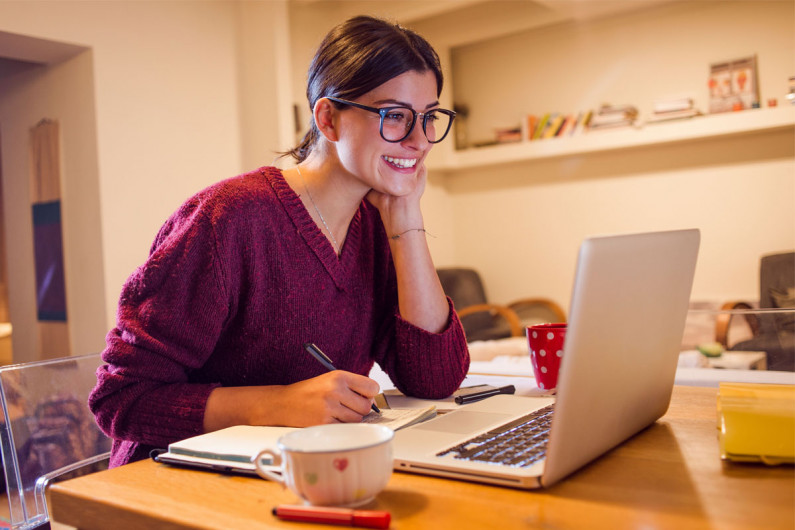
{"type": "Point", "coordinates": [554, 126]}
{"type": "Point", "coordinates": [607, 109]}
{"type": "Point", "coordinates": [508, 134]}
{"type": "Point", "coordinates": [532, 124]}
{"type": "Point", "coordinates": [612, 116]}
{"type": "Point", "coordinates": [672, 105]}
{"type": "Point", "coordinates": [569, 126]}
{"type": "Point", "coordinates": [585, 123]}
{"type": "Point", "coordinates": [673, 109]}
{"type": "Point", "coordinates": [542, 125]}
{"type": "Point", "coordinates": [564, 126]}
{"type": "Point", "coordinates": [658, 117]}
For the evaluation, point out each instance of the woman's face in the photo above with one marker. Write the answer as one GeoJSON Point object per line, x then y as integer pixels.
{"type": "Point", "coordinates": [390, 168]}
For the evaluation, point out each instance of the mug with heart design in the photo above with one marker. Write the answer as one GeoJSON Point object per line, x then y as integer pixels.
{"type": "Point", "coordinates": [342, 464]}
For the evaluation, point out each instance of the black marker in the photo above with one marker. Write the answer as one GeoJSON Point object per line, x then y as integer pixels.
{"type": "Point", "coordinates": [477, 396]}
{"type": "Point", "coordinates": [315, 352]}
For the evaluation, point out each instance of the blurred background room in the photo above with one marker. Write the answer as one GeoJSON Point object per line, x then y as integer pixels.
{"type": "Point", "coordinates": [576, 118]}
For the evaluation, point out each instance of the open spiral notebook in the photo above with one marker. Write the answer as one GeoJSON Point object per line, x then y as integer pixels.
{"type": "Point", "coordinates": [230, 450]}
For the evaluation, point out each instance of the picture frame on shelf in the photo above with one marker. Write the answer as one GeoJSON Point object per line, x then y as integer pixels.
{"type": "Point", "coordinates": [733, 85]}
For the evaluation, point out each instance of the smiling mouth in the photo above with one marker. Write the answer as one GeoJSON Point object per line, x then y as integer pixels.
{"type": "Point", "coordinates": [403, 163]}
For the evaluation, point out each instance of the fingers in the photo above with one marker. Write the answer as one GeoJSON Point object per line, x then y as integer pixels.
{"type": "Point", "coordinates": [355, 396]}
{"type": "Point", "coordinates": [336, 396]}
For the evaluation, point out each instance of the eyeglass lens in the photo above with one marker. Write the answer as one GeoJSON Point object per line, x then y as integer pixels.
{"type": "Point", "coordinates": [397, 124]}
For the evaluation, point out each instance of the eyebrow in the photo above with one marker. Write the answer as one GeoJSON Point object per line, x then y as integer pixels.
{"type": "Point", "coordinates": [403, 103]}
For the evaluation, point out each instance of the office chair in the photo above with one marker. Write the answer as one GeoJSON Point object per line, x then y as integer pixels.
{"type": "Point", "coordinates": [488, 321]}
{"type": "Point", "coordinates": [47, 432]}
{"type": "Point", "coordinates": [773, 324]}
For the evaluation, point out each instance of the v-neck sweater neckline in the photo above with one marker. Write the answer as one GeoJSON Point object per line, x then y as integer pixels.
{"type": "Point", "coordinates": [338, 267]}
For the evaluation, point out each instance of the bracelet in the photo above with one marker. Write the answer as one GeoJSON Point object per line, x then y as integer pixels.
{"type": "Point", "coordinates": [398, 236]}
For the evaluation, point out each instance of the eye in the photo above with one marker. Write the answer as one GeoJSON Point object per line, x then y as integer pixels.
{"type": "Point", "coordinates": [433, 116]}
{"type": "Point", "coordinates": [397, 116]}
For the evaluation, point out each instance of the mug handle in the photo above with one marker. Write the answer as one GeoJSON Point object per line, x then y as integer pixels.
{"type": "Point", "coordinates": [267, 473]}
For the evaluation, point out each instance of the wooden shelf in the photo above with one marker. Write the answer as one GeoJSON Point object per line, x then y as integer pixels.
{"type": "Point", "coordinates": [714, 126]}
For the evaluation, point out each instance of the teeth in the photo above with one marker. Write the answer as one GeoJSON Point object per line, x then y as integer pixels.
{"type": "Point", "coordinates": [401, 162]}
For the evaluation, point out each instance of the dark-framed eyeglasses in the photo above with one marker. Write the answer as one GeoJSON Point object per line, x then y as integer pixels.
{"type": "Point", "coordinates": [398, 122]}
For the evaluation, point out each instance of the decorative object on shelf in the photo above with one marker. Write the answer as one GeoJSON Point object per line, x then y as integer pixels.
{"type": "Point", "coordinates": [508, 134]}
{"type": "Point", "coordinates": [711, 127]}
{"type": "Point", "coordinates": [733, 85]}
{"type": "Point", "coordinates": [791, 93]}
{"type": "Point", "coordinates": [612, 116]}
{"type": "Point", "coordinates": [673, 109]}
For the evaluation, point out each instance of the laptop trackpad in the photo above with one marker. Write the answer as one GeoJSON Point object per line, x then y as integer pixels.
{"type": "Point", "coordinates": [462, 421]}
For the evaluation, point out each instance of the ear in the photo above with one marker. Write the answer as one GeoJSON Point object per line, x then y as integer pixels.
{"type": "Point", "coordinates": [325, 115]}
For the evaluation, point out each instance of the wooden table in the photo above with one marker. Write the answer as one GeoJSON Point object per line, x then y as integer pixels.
{"type": "Point", "coordinates": [668, 476]}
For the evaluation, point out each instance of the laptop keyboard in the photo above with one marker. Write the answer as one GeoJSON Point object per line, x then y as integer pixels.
{"type": "Point", "coordinates": [519, 443]}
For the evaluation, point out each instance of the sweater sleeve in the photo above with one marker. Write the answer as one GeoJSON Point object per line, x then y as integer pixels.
{"type": "Point", "coordinates": [171, 312]}
{"type": "Point", "coordinates": [420, 363]}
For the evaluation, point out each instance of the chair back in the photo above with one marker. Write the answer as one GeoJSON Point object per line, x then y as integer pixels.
{"type": "Point", "coordinates": [47, 431]}
{"type": "Point", "coordinates": [465, 288]}
{"type": "Point", "coordinates": [776, 279]}
{"type": "Point", "coordinates": [777, 291]}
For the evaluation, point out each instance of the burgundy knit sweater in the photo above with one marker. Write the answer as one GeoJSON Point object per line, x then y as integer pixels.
{"type": "Point", "coordinates": [237, 280]}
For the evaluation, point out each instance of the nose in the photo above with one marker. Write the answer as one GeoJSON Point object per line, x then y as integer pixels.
{"type": "Point", "coordinates": [417, 139]}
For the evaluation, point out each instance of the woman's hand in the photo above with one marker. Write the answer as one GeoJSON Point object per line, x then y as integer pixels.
{"type": "Point", "coordinates": [400, 213]}
{"type": "Point", "coordinates": [334, 397]}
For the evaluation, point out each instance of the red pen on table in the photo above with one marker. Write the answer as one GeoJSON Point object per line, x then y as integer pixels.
{"type": "Point", "coordinates": [341, 516]}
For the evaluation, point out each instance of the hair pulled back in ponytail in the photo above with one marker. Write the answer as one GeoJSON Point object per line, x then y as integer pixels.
{"type": "Point", "coordinates": [359, 55]}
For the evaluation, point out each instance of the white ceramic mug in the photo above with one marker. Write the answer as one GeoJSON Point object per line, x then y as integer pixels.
{"type": "Point", "coordinates": [343, 464]}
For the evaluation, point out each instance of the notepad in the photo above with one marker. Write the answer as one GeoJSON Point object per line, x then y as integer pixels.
{"type": "Point", "coordinates": [398, 418]}
{"type": "Point", "coordinates": [230, 450]}
{"type": "Point", "coordinates": [226, 451]}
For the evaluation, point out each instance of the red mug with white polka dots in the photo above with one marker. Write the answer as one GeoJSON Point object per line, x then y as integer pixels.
{"type": "Point", "coordinates": [546, 351]}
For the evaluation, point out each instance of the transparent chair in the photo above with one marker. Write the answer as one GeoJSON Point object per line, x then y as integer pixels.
{"type": "Point", "coordinates": [47, 432]}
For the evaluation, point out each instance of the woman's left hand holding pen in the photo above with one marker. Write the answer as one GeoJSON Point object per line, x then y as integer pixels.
{"type": "Point", "coordinates": [334, 397]}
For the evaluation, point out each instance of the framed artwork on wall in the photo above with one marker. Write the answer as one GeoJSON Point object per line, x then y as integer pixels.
{"type": "Point", "coordinates": [733, 85]}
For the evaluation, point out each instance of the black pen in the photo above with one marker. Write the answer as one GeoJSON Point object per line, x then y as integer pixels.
{"type": "Point", "coordinates": [315, 352]}
{"type": "Point", "coordinates": [477, 396]}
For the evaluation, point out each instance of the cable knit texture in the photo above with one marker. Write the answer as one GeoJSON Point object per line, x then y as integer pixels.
{"type": "Point", "coordinates": [237, 280]}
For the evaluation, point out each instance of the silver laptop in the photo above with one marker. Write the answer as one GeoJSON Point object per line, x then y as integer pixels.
{"type": "Point", "coordinates": [627, 318]}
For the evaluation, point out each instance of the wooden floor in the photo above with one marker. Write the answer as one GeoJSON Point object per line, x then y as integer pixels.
{"type": "Point", "coordinates": [5, 513]}
{"type": "Point", "coordinates": [5, 349]}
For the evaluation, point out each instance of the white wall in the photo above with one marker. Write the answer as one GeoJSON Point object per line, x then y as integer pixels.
{"type": "Point", "coordinates": [637, 57]}
{"type": "Point", "coordinates": [265, 82]}
{"type": "Point", "coordinates": [63, 92]}
{"type": "Point", "coordinates": [522, 233]}
{"type": "Point", "coordinates": [187, 93]}
{"type": "Point", "coordinates": [167, 113]}
{"type": "Point", "coordinates": [521, 224]}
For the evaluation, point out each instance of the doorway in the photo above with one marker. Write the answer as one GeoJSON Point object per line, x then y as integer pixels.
{"type": "Point", "coordinates": [6, 354]}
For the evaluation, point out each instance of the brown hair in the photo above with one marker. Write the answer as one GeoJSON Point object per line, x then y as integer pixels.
{"type": "Point", "coordinates": [359, 55]}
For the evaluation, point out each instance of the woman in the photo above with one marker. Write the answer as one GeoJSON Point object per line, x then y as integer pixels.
{"type": "Point", "coordinates": [211, 328]}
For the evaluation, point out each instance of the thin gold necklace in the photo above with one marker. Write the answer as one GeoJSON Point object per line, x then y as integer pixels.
{"type": "Point", "coordinates": [322, 220]}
